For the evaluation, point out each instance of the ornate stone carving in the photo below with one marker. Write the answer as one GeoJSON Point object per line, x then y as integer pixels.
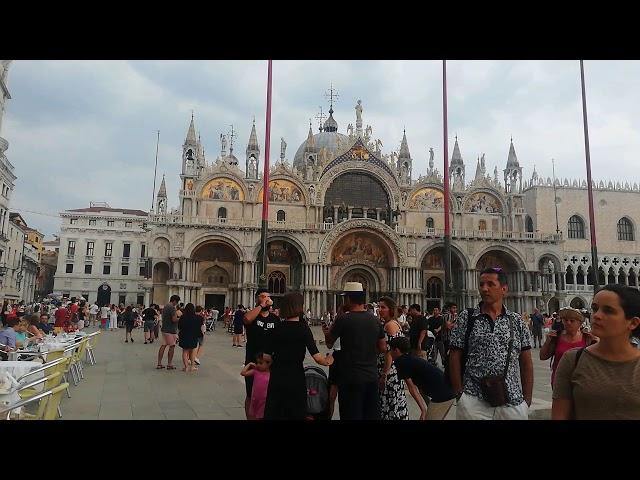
{"type": "Point", "coordinates": [530, 254]}
{"type": "Point", "coordinates": [411, 249]}
{"type": "Point", "coordinates": [344, 227]}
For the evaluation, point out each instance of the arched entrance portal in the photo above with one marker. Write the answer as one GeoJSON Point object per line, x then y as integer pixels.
{"type": "Point", "coordinates": [218, 271]}
{"type": "Point", "coordinates": [433, 278]}
{"type": "Point", "coordinates": [578, 303]}
{"type": "Point", "coordinates": [160, 276]}
{"type": "Point", "coordinates": [553, 305]}
{"type": "Point", "coordinates": [284, 268]}
{"type": "Point", "coordinates": [104, 295]}
{"type": "Point", "coordinates": [360, 256]}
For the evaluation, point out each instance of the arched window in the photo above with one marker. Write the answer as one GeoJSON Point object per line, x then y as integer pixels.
{"type": "Point", "coordinates": [529, 225]}
{"type": "Point", "coordinates": [611, 278]}
{"type": "Point", "coordinates": [281, 216]}
{"type": "Point", "coordinates": [576, 227]}
{"type": "Point", "coordinates": [569, 275]}
{"type": "Point", "coordinates": [222, 213]}
{"type": "Point", "coordinates": [371, 213]}
{"type": "Point", "coordinates": [434, 288]}
{"type": "Point", "coordinates": [482, 225]}
{"type": "Point", "coordinates": [625, 229]}
{"type": "Point", "coordinates": [430, 223]}
{"type": "Point", "coordinates": [277, 283]}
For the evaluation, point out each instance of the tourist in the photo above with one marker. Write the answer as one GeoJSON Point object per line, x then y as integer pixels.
{"type": "Point", "coordinates": [113, 318]}
{"type": "Point", "coordinates": [537, 324]}
{"type": "Point", "coordinates": [201, 315]}
{"type": "Point", "coordinates": [129, 319]}
{"type": "Point", "coordinates": [33, 326]}
{"type": "Point", "coordinates": [238, 326]}
{"type": "Point", "coordinates": [104, 316]}
{"type": "Point", "coordinates": [44, 324]}
{"type": "Point", "coordinates": [259, 322]}
{"type": "Point", "coordinates": [450, 318]}
{"type": "Point", "coordinates": [393, 402]}
{"type": "Point", "coordinates": [93, 312]}
{"type": "Point", "coordinates": [169, 330]}
{"type": "Point", "coordinates": [602, 381]}
{"type": "Point", "coordinates": [425, 382]}
{"type": "Point", "coordinates": [287, 346]}
{"type": "Point", "coordinates": [418, 331]}
{"type": "Point", "coordinates": [149, 316]}
{"type": "Point", "coordinates": [361, 339]}
{"type": "Point", "coordinates": [496, 381]}
{"type": "Point", "coordinates": [435, 324]}
{"type": "Point", "coordinates": [190, 327]}
{"type": "Point", "coordinates": [559, 342]}
{"type": "Point", "coordinates": [334, 368]}
{"type": "Point", "coordinates": [260, 372]}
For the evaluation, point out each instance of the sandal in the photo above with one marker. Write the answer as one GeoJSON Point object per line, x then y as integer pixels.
{"type": "Point", "coordinates": [159, 367]}
{"type": "Point", "coordinates": [170, 367]}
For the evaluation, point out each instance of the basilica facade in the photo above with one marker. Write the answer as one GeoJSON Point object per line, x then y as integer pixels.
{"type": "Point", "coordinates": [342, 210]}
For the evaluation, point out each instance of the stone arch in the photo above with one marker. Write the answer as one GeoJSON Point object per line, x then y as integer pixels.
{"type": "Point", "coordinates": [351, 273]}
{"type": "Point", "coordinates": [288, 178]}
{"type": "Point", "coordinates": [555, 260]}
{"type": "Point", "coordinates": [512, 254]}
{"type": "Point", "coordinates": [373, 227]}
{"type": "Point", "coordinates": [464, 260]}
{"type": "Point", "coordinates": [304, 253]}
{"type": "Point", "coordinates": [215, 276]}
{"type": "Point", "coordinates": [389, 183]}
{"type": "Point", "coordinates": [578, 302]}
{"type": "Point", "coordinates": [553, 305]}
{"type": "Point", "coordinates": [161, 246]}
{"type": "Point", "coordinates": [432, 265]}
{"type": "Point", "coordinates": [214, 238]}
{"type": "Point", "coordinates": [161, 273]}
{"type": "Point", "coordinates": [489, 191]}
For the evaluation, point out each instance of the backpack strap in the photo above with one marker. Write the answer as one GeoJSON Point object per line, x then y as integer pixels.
{"type": "Point", "coordinates": [465, 353]}
{"type": "Point", "coordinates": [578, 354]}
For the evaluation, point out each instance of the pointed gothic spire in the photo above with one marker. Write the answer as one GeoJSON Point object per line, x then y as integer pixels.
{"type": "Point", "coordinates": [534, 175]}
{"type": "Point", "coordinates": [311, 144]}
{"type": "Point", "coordinates": [456, 158]}
{"type": "Point", "coordinates": [404, 147]}
{"type": "Point", "coordinates": [163, 188]}
{"type": "Point", "coordinates": [191, 133]}
{"type": "Point", "coordinates": [253, 138]}
{"type": "Point", "coordinates": [512, 160]}
{"type": "Point", "coordinates": [478, 170]}
{"type": "Point", "coordinates": [495, 175]}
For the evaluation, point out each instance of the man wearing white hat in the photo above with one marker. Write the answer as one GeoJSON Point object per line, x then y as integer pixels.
{"type": "Point", "coordinates": [361, 339]}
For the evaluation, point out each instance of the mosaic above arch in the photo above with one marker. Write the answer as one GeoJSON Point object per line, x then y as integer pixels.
{"type": "Point", "coordinates": [283, 191]}
{"type": "Point", "coordinates": [222, 189]}
{"type": "Point", "coordinates": [360, 246]}
{"type": "Point", "coordinates": [481, 202]}
{"type": "Point", "coordinates": [427, 198]}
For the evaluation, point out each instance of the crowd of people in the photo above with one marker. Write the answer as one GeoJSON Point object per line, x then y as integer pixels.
{"type": "Point", "coordinates": [478, 358]}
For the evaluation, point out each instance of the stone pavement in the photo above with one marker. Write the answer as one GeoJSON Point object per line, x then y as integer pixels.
{"type": "Point", "coordinates": [125, 384]}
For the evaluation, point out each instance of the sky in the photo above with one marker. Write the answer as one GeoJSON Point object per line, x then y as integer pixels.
{"type": "Point", "coordinates": [82, 131]}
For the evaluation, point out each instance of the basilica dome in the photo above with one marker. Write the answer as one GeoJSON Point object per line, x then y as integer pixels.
{"type": "Point", "coordinates": [328, 140]}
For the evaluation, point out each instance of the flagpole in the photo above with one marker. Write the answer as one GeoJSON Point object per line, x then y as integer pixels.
{"type": "Point", "coordinates": [155, 170]}
{"type": "Point", "coordinates": [448, 285]}
{"type": "Point", "coordinates": [265, 184]}
{"type": "Point", "coordinates": [592, 222]}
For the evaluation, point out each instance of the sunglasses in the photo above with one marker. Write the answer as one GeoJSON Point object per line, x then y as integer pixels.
{"type": "Point", "coordinates": [496, 269]}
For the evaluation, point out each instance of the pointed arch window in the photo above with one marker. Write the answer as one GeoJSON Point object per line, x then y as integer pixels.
{"type": "Point", "coordinates": [482, 225]}
{"type": "Point", "coordinates": [222, 214]}
{"type": "Point", "coordinates": [576, 227]}
{"type": "Point", "coordinates": [529, 224]}
{"type": "Point", "coordinates": [281, 216]}
{"type": "Point", "coordinates": [434, 287]}
{"type": "Point", "coordinates": [277, 282]}
{"type": "Point", "coordinates": [625, 229]}
{"type": "Point", "coordinates": [430, 223]}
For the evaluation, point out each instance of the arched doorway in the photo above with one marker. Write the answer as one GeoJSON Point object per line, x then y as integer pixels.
{"type": "Point", "coordinates": [219, 268]}
{"type": "Point", "coordinates": [578, 303]}
{"type": "Point", "coordinates": [284, 267]}
{"type": "Point", "coordinates": [369, 280]}
{"type": "Point", "coordinates": [104, 295]}
{"type": "Point", "coordinates": [433, 286]}
{"type": "Point", "coordinates": [553, 305]}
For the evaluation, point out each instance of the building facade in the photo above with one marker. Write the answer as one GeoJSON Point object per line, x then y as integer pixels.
{"type": "Point", "coordinates": [102, 255]}
{"type": "Point", "coordinates": [343, 210]}
{"type": "Point", "coordinates": [7, 180]}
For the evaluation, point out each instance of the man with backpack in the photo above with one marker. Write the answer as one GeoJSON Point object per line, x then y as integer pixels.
{"type": "Point", "coordinates": [491, 370]}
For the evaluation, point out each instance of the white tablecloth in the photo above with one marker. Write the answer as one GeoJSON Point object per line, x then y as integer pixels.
{"type": "Point", "coordinates": [16, 370]}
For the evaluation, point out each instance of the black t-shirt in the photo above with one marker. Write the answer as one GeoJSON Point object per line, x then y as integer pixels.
{"type": "Point", "coordinates": [189, 325]}
{"type": "Point", "coordinates": [417, 325]}
{"type": "Point", "coordinates": [288, 344]}
{"type": "Point", "coordinates": [427, 378]}
{"type": "Point", "coordinates": [149, 314]}
{"type": "Point", "coordinates": [359, 333]}
{"type": "Point", "coordinates": [257, 332]}
{"type": "Point", "coordinates": [129, 317]}
{"type": "Point", "coordinates": [435, 322]}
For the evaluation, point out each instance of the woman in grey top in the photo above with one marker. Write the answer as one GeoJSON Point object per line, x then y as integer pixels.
{"type": "Point", "coordinates": [602, 382]}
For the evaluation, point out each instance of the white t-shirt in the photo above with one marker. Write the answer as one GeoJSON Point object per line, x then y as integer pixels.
{"type": "Point", "coordinates": [214, 314]}
{"type": "Point", "coordinates": [94, 309]}
{"type": "Point", "coordinates": [104, 312]}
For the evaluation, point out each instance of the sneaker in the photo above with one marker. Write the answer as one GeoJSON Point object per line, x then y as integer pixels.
{"type": "Point", "coordinates": [146, 343]}
{"type": "Point", "coordinates": [197, 361]}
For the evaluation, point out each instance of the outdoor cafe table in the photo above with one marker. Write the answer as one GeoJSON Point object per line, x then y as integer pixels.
{"type": "Point", "coordinates": [16, 369]}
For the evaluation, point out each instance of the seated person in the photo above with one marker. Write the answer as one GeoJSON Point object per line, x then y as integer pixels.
{"type": "Point", "coordinates": [8, 337]}
{"type": "Point", "coordinates": [423, 380]}
{"type": "Point", "coordinates": [34, 326]}
{"type": "Point", "coordinates": [44, 324]}
{"type": "Point", "coordinates": [21, 333]}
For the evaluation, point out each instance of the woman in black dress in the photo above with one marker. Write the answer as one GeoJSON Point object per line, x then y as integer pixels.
{"type": "Point", "coordinates": [189, 331]}
{"type": "Point", "coordinates": [287, 345]}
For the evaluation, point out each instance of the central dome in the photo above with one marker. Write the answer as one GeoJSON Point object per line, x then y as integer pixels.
{"type": "Point", "coordinates": [328, 140]}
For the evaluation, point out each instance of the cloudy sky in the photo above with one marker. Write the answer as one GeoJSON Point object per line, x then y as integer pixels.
{"type": "Point", "coordinates": [82, 131]}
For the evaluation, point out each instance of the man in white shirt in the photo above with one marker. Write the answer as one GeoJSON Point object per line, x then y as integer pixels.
{"type": "Point", "coordinates": [104, 316]}
{"type": "Point", "coordinates": [93, 311]}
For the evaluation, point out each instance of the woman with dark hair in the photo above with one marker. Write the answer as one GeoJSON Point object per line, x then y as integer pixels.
{"type": "Point", "coordinates": [602, 381]}
{"type": "Point", "coordinates": [189, 331]}
{"type": "Point", "coordinates": [3, 313]}
{"type": "Point", "coordinates": [129, 319]}
{"type": "Point", "coordinates": [571, 336]}
{"type": "Point", "coordinates": [393, 401]}
{"type": "Point", "coordinates": [287, 346]}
